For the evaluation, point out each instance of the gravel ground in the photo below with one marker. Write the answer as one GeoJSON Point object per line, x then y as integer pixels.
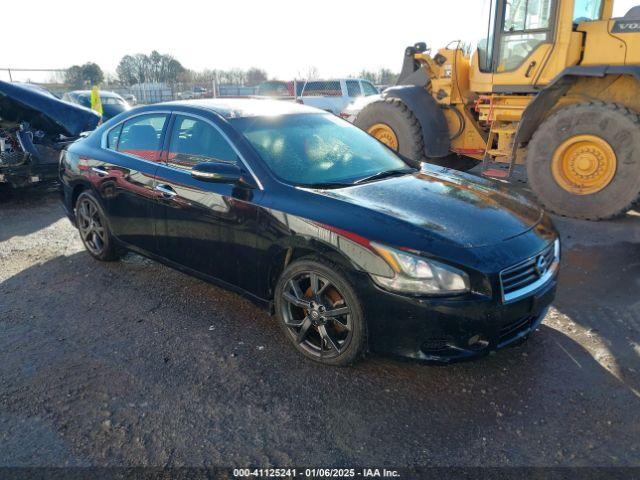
{"type": "Point", "coordinates": [132, 364]}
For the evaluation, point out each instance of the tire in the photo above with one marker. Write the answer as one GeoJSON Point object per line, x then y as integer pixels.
{"type": "Point", "coordinates": [346, 332]}
{"type": "Point", "coordinates": [408, 131]}
{"type": "Point", "coordinates": [618, 127]}
{"type": "Point", "coordinates": [91, 220]}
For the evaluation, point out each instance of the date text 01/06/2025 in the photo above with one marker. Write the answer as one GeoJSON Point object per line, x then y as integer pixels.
{"type": "Point", "coordinates": [315, 472]}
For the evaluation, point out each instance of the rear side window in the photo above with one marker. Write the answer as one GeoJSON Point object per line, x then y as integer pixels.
{"type": "Point", "coordinates": [113, 136]}
{"type": "Point", "coordinates": [194, 141]}
{"type": "Point", "coordinates": [369, 89]}
{"type": "Point", "coordinates": [322, 89]}
{"type": "Point", "coordinates": [353, 88]}
{"type": "Point", "coordinates": [141, 136]}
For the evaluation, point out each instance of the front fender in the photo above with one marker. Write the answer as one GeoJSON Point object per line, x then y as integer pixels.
{"type": "Point", "coordinates": [559, 86]}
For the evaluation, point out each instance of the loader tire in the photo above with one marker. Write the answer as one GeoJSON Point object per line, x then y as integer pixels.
{"type": "Point", "coordinates": [393, 123]}
{"type": "Point", "coordinates": [584, 161]}
{"type": "Point", "coordinates": [390, 121]}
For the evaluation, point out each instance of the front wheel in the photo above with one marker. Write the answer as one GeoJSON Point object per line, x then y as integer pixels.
{"type": "Point", "coordinates": [584, 161]}
{"type": "Point", "coordinates": [320, 312]}
{"type": "Point", "coordinates": [393, 123]}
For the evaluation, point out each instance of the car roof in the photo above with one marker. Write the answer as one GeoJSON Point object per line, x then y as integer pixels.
{"type": "Point", "coordinates": [103, 93]}
{"type": "Point", "coordinates": [337, 80]}
{"type": "Point", "coordinates": [246, 107]}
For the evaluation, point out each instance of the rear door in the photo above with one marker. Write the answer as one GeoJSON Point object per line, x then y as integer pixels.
{"type": "Point", "coordinates": [208, 227]}
{"type": "Point", "coordinates": [128, 180]}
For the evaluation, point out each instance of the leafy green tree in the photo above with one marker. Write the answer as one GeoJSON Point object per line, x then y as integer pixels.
{"type": "Point", "coordinates": [80, 76]}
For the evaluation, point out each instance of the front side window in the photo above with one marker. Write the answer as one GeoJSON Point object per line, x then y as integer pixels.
{"type": "Point", "coordinates": [313, 149]}
{"type": "Point", "coordinates": [195, 141]}
{"type": "Point", "coordinates": [142, 135]}
{"type": "Point", "coordinates": [369, 89]}
{"type": "Point", "coordinates": [587, 10]}
{"type": "Point", "coordinates": [322, 89]}
{"type": "Point", "coordinates": [353, 88]}
{"type": "Point", "coordinates": [527, 25]}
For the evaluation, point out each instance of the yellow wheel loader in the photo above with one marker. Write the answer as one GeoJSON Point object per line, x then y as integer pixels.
{"type": "Point", "coordinates": [554, 86]}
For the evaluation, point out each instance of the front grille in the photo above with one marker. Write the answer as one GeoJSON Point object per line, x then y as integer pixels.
{"type": "Point", "coordinates": [525, 274]}
{"type": "Point", "coordinates": [11, 159]}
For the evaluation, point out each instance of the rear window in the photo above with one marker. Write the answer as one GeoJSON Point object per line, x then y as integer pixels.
{"type": "Point", "coordinates": [322, 89]}
{"type": "Point", "coordinates": [353, 88]}
{"type": "Point", "coordinates": [84, 100]}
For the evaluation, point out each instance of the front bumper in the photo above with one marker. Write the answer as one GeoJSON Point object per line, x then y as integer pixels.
{"type": "Point", "coordinates": [453, 329]}
{"type": "Point", "coordinates": [28, 173]}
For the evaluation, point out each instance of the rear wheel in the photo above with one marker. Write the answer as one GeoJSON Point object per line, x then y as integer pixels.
{"type": "Point", "coordinates": [583, 161]}
{"type": "Point", "coordinates": [391, 122]}
{"type": "Point", "coordinates": [320, 312]}
{"type": "Point", "coordinates": [94, 230]}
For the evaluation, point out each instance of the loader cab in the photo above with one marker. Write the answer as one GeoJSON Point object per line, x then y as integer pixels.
{"type": "Point", "coordinates": [528, 42]}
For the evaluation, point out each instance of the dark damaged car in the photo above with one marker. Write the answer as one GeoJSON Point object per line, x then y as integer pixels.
{"type": "Point", "coordinates": [35, 127]}
{"type": "Point", "coordinates": [352, 248]}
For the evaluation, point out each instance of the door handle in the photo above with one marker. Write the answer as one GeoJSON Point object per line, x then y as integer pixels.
{"type": "Point", "coordinates": [166, 190]}
{"type": "Point", "coordinates": [100, 171]}
{"type": "Point", "coordinates": [530, 69]}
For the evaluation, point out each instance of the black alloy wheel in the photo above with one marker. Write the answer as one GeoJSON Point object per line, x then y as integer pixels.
{"type": "Point", "coordinates": [320, 313]}
{"type": "Point", "coordinates": [94, 231]}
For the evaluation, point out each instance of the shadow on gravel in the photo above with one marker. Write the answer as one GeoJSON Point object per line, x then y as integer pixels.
{"type": "Point", "coordinates": [26, 210]}
{"type": "Point", "coordinates": [132, 363]}
{"type": "Point", "coordinates": [599, 291]}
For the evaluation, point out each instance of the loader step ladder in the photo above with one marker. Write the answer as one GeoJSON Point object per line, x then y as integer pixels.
{"type": "Point", "coordinates": [498, 170]}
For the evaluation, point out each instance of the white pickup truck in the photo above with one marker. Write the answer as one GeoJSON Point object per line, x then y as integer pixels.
{"type": "Point", "coordinates": [334, 95]}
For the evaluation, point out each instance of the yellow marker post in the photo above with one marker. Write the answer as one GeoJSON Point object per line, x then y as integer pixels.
{"type": "Point", "coordinates": [96, 103]}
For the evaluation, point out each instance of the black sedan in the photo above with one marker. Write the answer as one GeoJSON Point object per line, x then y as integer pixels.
{"type": "Point", "coordinates": [352, 248]}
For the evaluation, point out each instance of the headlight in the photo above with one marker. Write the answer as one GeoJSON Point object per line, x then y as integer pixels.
{"type": "Point", "coordinates": [418, 275]}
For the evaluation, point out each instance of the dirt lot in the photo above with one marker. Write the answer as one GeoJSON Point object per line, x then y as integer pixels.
{"type": "Point", "coordinates": [133, 363]}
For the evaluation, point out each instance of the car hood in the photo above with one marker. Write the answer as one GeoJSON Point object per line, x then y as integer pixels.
{"type": "Point", "coordinates": [445, 207]}
{"type": "Point", "coordinates": [43, 111]}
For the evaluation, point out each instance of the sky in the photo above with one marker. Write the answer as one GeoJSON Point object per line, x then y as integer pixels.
{"type": "Point", "coordinates": [284, 37]}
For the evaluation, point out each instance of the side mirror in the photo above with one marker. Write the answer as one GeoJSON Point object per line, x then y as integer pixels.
{"type": "Point", "coordinates": [218, 172]}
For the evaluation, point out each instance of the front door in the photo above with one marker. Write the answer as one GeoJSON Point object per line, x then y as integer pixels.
{"type": "Point", "coordinates": [208, 227]}
{"type": "Point", "coordinates": [520, 39]}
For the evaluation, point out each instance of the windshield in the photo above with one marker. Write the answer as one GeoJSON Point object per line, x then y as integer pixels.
{"type": "Point", "coordinates": [314, 149]}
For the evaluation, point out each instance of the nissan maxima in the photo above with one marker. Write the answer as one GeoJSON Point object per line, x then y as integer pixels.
{"type": "Point", "coordinates": [353, 248]}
